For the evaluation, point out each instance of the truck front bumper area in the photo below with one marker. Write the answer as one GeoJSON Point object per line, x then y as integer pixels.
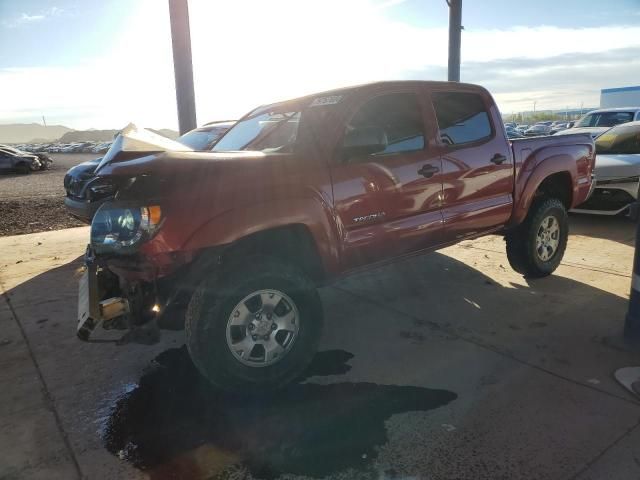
{"type": "Point", "coordinates": [127, 293]}
{"type": "Point", "coordinates": [93, 308]}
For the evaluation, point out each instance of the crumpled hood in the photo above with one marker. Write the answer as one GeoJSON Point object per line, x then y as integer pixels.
{"type": "Point", "coordinates": [135, 142]}
{"type": "Point", "coordinates": [593, 131]}
{"type": "Point", "coordinates": [617, 166]}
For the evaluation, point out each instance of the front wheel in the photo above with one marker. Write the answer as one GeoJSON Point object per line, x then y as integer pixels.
{"type": "Point", "coordinates": [254, 327]}
{"type": "Point", "coordinates": [536, 247]}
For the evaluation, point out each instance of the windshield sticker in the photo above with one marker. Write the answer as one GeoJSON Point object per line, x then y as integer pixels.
{"type": "Point", "coordinates": [321, 101]}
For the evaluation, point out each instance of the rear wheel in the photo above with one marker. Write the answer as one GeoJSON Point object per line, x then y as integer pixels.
{"type": "Point", "coordinates": [254, 327]}
{"type": "Point", "coordinates": [536, 247]}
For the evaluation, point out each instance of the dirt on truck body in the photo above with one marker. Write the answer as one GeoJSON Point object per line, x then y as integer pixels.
{"type": "Point", "coordinates": [235, 241]}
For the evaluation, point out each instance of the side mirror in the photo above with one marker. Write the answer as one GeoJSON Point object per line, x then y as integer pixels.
{"type": "Point", "coordinates": [363, 141]}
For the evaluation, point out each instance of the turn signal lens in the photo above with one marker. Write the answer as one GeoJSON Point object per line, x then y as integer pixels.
{"type": "Point", "coordinates": [155, 214]}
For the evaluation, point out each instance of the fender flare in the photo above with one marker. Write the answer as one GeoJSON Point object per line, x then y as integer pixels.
{"type": "Point", "coordinates": [236, 224]}
{"type": "Point", "coordinates": [533, 172]}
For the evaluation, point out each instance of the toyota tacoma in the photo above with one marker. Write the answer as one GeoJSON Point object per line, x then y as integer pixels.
{"type": "Point", "coordinates": [302, 192]}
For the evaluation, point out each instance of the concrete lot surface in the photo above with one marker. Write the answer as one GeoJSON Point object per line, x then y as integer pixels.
{"type": "Point", "coordinates": [447, 366]}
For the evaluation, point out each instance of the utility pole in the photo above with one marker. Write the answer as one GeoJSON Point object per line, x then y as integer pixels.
{"type": "Point", "coordinates": [182, 65]}
{"type": "Point", "coordinates": [455, 33]}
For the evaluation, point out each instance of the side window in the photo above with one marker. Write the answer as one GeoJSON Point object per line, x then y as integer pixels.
{"type": "Point", "coordinates": [462, 117]}
{"type": "Point", "coordinates": [386, 124]}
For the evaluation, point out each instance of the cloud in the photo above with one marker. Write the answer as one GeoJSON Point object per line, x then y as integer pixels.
{"type": "Point", "coordinates": [25, 18]}
{"type": "Point", "coordinates": [555, 82]}
{"type": "Point", "coordinates": [282, 50]}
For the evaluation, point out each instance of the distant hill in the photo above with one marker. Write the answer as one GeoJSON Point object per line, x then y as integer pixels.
{"type": "Point", "coordinates": [88, 136]}
{"type": "Point", "coordinates": [25, 132]}
{"type": "Point", "coordinates": [35, 133]}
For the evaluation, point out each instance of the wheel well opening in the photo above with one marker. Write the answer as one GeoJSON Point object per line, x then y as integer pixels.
{"type": "Point", "coordinates": [558, 185]}
{"type": "Point", "coordinates": [292, 243]}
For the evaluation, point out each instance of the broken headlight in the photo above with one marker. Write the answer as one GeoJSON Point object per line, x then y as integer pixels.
{"type": "Point", "coordinates": [121, 228]}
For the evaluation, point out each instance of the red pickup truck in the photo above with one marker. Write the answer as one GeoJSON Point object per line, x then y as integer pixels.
{"type": "Point", "coordinates": [301, 192]}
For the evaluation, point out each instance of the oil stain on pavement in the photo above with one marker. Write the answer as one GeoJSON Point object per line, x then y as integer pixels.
{"type": "Point", "coordinates": [175, 425]}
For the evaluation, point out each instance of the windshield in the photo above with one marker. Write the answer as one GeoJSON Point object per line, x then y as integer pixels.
{"type": "Point", "coordinates": [202, 139]}
{"type": "Point", "coordinates": [605, 119]}
{"type": "Point", "coordinates": [264, 132]}
{"type": "Point", "coordinates": [624, 139]}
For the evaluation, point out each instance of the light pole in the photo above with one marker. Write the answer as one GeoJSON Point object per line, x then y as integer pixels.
{"type": "Point", "coordinates": [455, 33]}
{"type": "Point", "coordinates": [182, 65]}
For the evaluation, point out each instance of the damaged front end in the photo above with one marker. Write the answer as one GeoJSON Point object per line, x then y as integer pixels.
{"type": "Point", "coordinates": [121, 287]}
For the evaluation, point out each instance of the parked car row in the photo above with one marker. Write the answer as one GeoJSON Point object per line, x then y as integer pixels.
{"type": "Point", "coordinates": [76, 147]}
{"type": "Point", "coordinates": [595, 123]}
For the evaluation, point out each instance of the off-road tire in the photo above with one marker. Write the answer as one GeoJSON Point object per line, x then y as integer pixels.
{"type": "Point", "coordinates": [521, 241]}
{"type": "Point", "coordinates": [213, 302]}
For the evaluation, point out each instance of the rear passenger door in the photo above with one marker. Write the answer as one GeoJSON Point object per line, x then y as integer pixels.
{"type": "Point", "coordinates": [477, 165]}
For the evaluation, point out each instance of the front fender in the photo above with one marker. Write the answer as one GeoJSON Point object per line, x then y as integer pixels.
{"type": "Point", "coordinates": [232, 225]}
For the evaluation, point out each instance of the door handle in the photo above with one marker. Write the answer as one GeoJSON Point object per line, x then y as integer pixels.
{"type": "Point", "coordinates": [498, 159]}
{"type": "Point", "coordinates": [427, 170]}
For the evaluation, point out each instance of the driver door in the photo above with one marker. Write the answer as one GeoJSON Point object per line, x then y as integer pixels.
{"type": "Point", "coordinates": [387, 179]}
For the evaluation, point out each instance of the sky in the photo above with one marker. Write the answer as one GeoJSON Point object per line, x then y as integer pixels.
{"type": "Point", "coordinates": [104, 63]}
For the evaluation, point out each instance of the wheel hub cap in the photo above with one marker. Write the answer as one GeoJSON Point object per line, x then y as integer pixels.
{"type": "Point", "coordinates": [262, 328]}
{"type": "Point", "coordinates": [548, 238]}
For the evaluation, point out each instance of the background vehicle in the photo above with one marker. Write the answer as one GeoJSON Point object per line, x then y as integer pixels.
{"type": "Point", "coordinates": [301, 192]}
{"type": "Point", "coordinates": [205, 137]}
{"type": "Point", "coordinates": [513, 132]}
{"type": "Point", "coordinates": [537, 130]}
{"type": "Point", "coordinates": [617, 171]}
{"type": "Point", "coordinates": [599, 121]}
{"type": "Point", "coordinates": [86, 192]}
{"type": "Point", "coordinates": [44, 161]}
{"type": "Point", "coordinates": [19, 162]}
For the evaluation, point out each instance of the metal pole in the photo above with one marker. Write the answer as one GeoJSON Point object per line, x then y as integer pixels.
{"type": "Point", "coordinates": [632, 320]}
{"type": "Point", "coordinates": [183, 68]}
{"type": "Point", "coordinates": [455, 33]}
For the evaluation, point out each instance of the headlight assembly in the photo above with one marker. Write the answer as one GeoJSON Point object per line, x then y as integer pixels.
{"type": "Point", "coordinates": [122, 228]}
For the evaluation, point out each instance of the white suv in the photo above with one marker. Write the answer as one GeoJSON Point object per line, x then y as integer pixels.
{"type": "Point", "coordinates": [598, 121]}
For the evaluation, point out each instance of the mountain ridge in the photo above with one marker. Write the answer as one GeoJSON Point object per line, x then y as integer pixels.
{"type": "Point", "coordinates": [13, 133]}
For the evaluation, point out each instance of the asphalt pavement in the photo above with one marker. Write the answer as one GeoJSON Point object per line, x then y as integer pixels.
{"type": "Point", "coordinates": [447, 366]}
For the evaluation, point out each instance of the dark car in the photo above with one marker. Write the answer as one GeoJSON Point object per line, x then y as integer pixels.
{"type": "Point", "coordinates": [86, 191]}
{"type": "Point", "coordinates": [512, 132]}
{"type": "Point", "coordinates": [537, 130]}
{"type": "Point", "coordinates": [16, 161]}
{"type": "Point", "coordinates": [203, 138]}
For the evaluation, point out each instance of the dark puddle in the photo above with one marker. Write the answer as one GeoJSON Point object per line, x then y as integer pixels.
{"type": "Point", "coordinates": [174, 425]}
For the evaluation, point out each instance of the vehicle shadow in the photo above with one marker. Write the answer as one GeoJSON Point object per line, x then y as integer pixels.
{"type": "Point", "coordinates": [172, 424]}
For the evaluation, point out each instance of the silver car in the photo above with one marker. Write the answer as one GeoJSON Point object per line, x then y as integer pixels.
{"type": "Point", "coordinates": [617, 171]}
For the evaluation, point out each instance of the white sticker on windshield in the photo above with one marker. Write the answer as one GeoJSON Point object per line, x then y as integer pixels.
{"type": "Point", "coordinates": [331, 100]}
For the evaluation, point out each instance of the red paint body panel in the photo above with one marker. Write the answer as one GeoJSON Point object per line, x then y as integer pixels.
{"type": "Point", "coordinates": [358, 213]}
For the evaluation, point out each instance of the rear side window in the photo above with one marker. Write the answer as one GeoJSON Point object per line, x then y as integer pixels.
{"type": "Point", "coordinates": [462, 117]}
